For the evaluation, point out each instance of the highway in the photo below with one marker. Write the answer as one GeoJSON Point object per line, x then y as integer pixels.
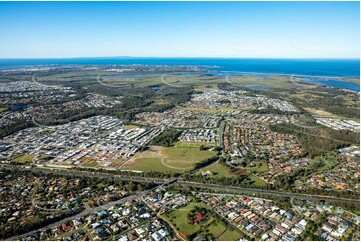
{"type": "Point", "coordinates": [269, 192]}
{"type": "Point", "coordinates": [182, 182]}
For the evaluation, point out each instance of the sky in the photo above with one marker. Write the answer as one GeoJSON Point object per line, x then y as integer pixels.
{"type": "Point", "coordinates": [180, 29]}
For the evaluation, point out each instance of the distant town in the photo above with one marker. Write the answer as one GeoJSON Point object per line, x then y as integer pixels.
{"type": "Point", "coordinates": [156, 152]}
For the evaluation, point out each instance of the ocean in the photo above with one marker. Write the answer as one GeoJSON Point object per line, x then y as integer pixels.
{"type": "Point", "coordinates": [310, 67]}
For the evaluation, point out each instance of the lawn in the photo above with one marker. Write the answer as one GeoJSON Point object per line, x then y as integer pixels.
{"type": "Point", "coordinates": [171, 159]}
{"type": "Point", "coordinates": [328, 159]}
{"type": "Point", "coordinates": [229, 235]}
{"type": "Point", "coordinates": [180, 144]}
{"type": "Point", "coordinates": [217, 229]}
{"type": "Point", "coordinates": [257, 181]}
{"type": "Point", "coordinates": [179, 217]}
{"type": "Point", "coordinates": [219, 170]}
{"type": "Point", "coordinates": [90, 164]}
{"type": "Point", "coordinates": [262, 168]}
{"type": "Point", "coordinates": [187, 154]}
{"type": "Point", "coordinates": [149, 164]}
{"type": "Point", "coordinates": [27, 158]}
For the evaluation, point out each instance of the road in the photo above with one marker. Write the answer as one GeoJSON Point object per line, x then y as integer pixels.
{"type": "Point", "coordinates": [78, 215]}
{"type": "Point", "coordinates": [82, 173]}
{"type": "Point", "coordinates": [185, 183]}
{"type": "Point", "coordinates": [268, 192]}
{"type": "Point", "coordinates": [93, 210]}
{"type": "Point", "coordinates": [159, 215]}
{"type": "Point", "coordinates": [230, 224]}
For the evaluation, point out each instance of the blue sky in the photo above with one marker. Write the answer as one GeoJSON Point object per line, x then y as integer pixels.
{"type": "Point", "coordinates": [180, 29]}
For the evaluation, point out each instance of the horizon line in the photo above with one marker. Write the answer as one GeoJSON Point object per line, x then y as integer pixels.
{"type": "Point", "coordinates": [180, 57]}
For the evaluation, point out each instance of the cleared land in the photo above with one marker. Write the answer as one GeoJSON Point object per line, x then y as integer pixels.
{"type": "Point", "coordinates": [218, 171]}
{"type": "Point", "coordinates": [192, 144]}
{"type": "Point", "coordinates": [27, 158]}
{"type": "Point", "coordinates": [167, 159]}
{"type": "Point", "coordinates": [90, 164]}
{"type": "Point", "coordinates": [130, 126]}
{"type": "Point", "coordinates": [321, 113]}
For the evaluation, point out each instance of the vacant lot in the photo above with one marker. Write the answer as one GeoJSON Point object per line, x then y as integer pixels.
{"type": "Point", "coordinates": [167, 159]}
{"type": "Point", "coordinates": [192, 144]}
{"type": "Point", "coordinates": [27, 158]}
{"type": "Point", "coordinates": [261, 167]}
{"type": "Point", "coordinates": [217, 229]}
{"type": "Point", "coordinates": [256, 181]}
{"type": "Point", "coordinates": [262, 82]}
{"type": "Point", "coordinates": [219, 171]}
{"type": "Point", "coordinates": [321, 113]}
{"type": "Point", "coordinates": [179, 217]}
{"type": "Point", "coordinates": [90, 164]}
{"type": "Point", "coordinates": [229, 235]}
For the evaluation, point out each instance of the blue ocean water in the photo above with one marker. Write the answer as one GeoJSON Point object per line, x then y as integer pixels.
{"type": "Point", "coordinates": [312, 67]}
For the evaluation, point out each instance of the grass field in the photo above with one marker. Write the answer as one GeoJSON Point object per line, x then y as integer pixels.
{"type": "Point", "coordinates": [116, 162]}
{"type": "Point", "coordinates": [262, 82]}
{"type": "Point", "coordinates": [3, 110]}
{"type": "Point", "coordinates": [257, 181]}
{"type": "Point", "coordinates": [168, 159]}
{"type": "Point", "coordinates": [262, 168]}
{"type": "Point", "coordinates": [192, 144]}
{"type": "Point", "coordinates": [27, 158]}
{"type": "Point", "coordinates": [217, 229]}
{"type": "Point", "coordinates": [90, 164]}
{"type": "Point", "coordinates": [229, 235]}
{"type": "Point", "coordinates": [199, 109]}
{"type": "Point", "coordinates": [179, 217]}
{"type": "Point", "coordinates": [321, 113]}
{"type": "Point", "coordinates": [328, 159]}
{"type": "Point", "coordinates": [150, 164]}
{"type": "Point", "coordinates": [219, 171]}
{"type": "Point", "coordinates": [186, 154]}
{"type": "Point", "coordinates": [179, 80]}
{"type": "Point", "coordinates": [205, 87]}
